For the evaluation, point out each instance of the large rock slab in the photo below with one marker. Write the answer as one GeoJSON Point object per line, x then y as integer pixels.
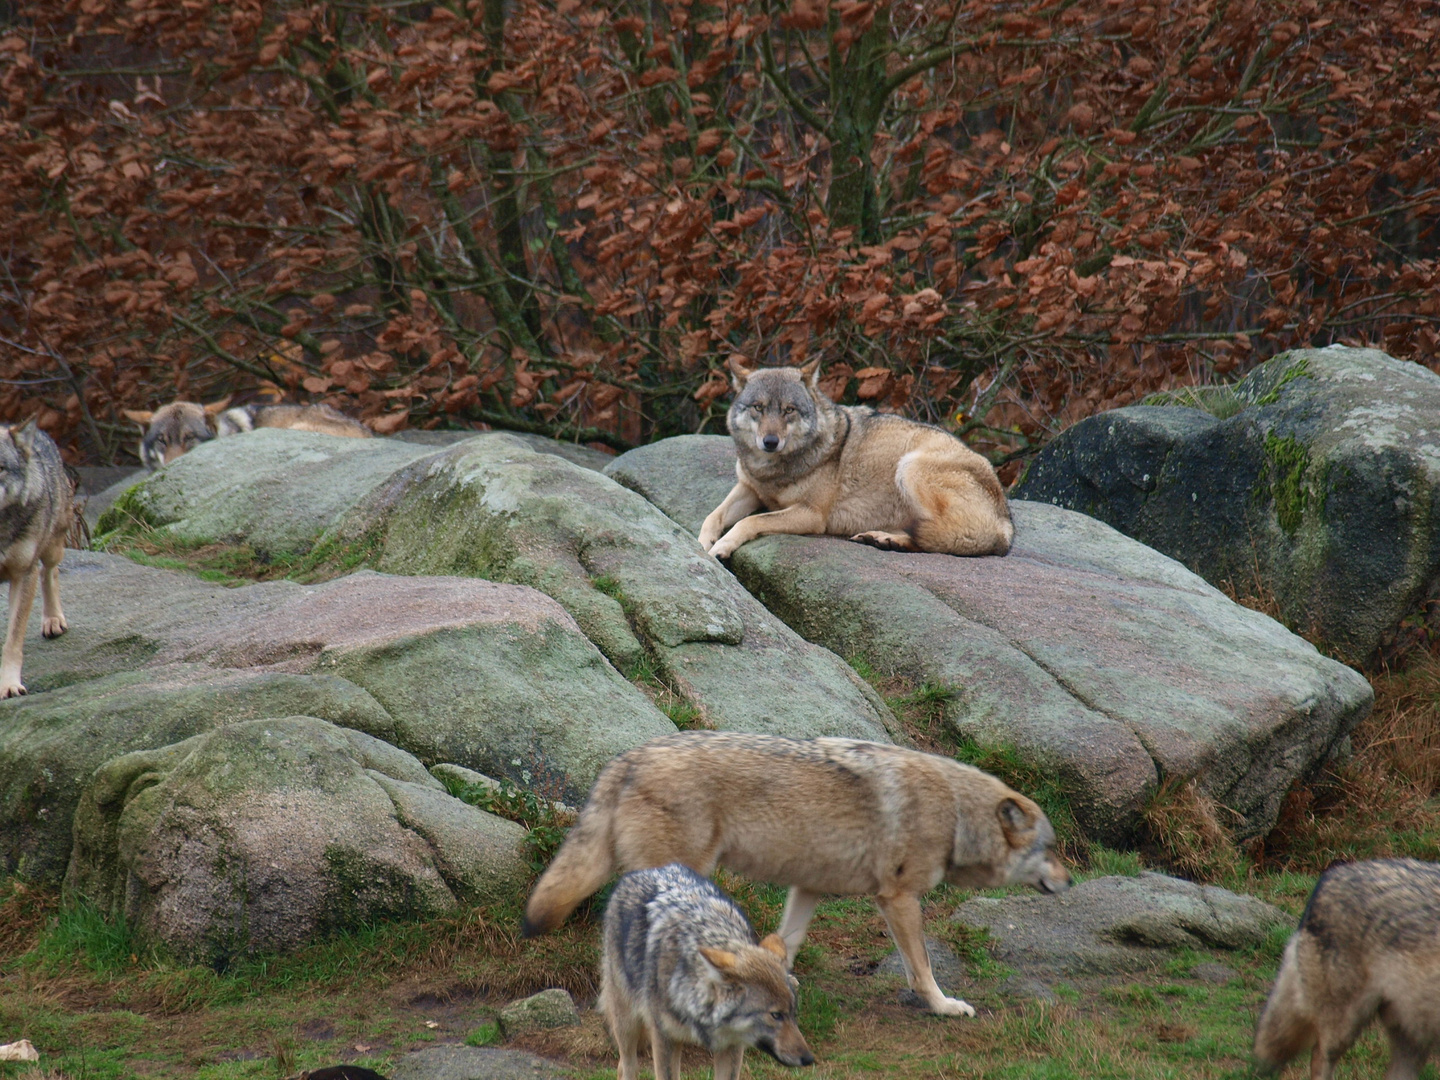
{"type": "Point", "coordinates": [1118, 924]}
{"type": "Point", "coordinates": [272, 488]}
{"type": "Point", "coordinates": [1323, 489]}
{"type": "Point", "coordinates": [266, 835]}
{"type": "Point", "coordinates": [486, 675]}
{"type": "Point", "coordinates": [1099, 659]}
{"type": "Point", "coordinates": [50, 743]}
{"type": "Point", "coordinates": [493, 507]}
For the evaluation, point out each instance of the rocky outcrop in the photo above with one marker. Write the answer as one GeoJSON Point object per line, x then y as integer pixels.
{"type": "Point", "coordinates": [486, 675]}
{"type": "Point", "coordinates": [1319, 487]}
{"type": "Point", "coordinates": [1119, 924]}
{"type": "Point", "coordinates": [491, 506]}
{"type": "Point", "coordinates": [266, 835]}
{"type": "Point", "coordinates": [1096, 659]}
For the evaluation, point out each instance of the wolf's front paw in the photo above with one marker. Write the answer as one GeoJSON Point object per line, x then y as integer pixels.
{"type": "Point", "coordinates": [53, 627]}
{"type": "Point", "coordinates": [709, 534]}
{"type": "Point", "coordinates": [11, 689]}
{"type": "Point", "coordinates": [948, 1006]}
{"type": "Point", "coordinates": [723, 548]}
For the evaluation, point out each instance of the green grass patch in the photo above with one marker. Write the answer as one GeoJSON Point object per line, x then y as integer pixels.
{"type": "Point", "coordinates": [487, 1034]}
{"type": "Point", "coordinates": [1220, 402]}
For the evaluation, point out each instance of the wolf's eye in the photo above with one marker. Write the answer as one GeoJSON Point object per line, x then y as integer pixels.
{"type": "Point", "coordinates": [777, 1016]}
{"type": "Point", "coordinates": [757, 408]}
{"type": "Point", "coordinates": [789, 410]}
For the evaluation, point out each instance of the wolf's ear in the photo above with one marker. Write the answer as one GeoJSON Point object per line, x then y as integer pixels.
{"type": "Point", "coordinates": [139, 416]}
{"type": "Point", "coordinates": [721, 960]}
{"type": "Point", "coordinates": [811, 373]}
{"type": "Point", "coordinates": [24, 436]}
{"type": "Point", "coordinates": [739, 372]}
{"type": "Point", "coordinates": [1013, 821]}
{"type": "Point", "coordinates": [773, 943]}
{"type": "Point", "coordinates": [215, 408]}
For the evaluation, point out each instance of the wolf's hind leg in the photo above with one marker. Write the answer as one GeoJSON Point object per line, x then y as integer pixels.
{"type": "Point", "coordinates": [22, 599]}
{"type": "Point", "coordinates": [958, 508]}
{"type": "Point", "coordinates": [886, 541]}
{"type": "Point", "coordinates": [799, 910]}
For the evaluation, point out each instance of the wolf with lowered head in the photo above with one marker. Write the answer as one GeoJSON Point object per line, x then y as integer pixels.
{"type": "Point", "coordinates": [1368, 945]}
{"type": "Point", "coordinates": [36, 510]}
{"type": "Point", "coordinates": [822, 816]}
{"type": "Point", "coordinates": [847, 470]}
{"type": "Point", "coordinates": [680, 963]}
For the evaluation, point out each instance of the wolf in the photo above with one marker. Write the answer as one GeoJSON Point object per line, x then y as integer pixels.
{"type": "Point", "coordinates": [846, 470]}
{"type": "Point", "coordinates": [1368, 944]}
{"type": "Point", "coordinates": [318, 418]}
{"type": "Point", "coordinates": [37, 507]}
{"type": "Point", "coordinates": [819, 815]}
{"type": "Point", "coordinates": [180, 426]}
{"type": "Point", "coordinates": [680, 962]}
{"type": "Point", "coordinates": [174, 429]}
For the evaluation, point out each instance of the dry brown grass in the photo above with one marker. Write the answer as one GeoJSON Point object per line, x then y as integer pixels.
{"type": "Point", "coordinates": [24, 910]}
{"type": "Point", "coordinates": [1185, 832]}
{"type": "Point", "coordinates": [1378, 801]}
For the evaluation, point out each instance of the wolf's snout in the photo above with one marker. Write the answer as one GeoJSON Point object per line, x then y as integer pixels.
{"type": "Point", "coordinates": [771, 443]}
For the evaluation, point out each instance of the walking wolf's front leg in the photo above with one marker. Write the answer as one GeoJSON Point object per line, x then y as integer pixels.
{"type": "Point", "coordinates": [741, 502]}
{"type": "Point", "coordinates": [907, 927]}
{"type": "Point", "coordinates": [799, 519]}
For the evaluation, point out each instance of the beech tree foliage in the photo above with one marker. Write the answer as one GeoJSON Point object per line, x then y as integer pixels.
{"type": "Point", "coordinates": [566, 215]}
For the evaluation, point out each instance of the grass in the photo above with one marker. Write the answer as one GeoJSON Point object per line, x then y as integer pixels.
{"type": "Point", "coordinates": [95, 1010]}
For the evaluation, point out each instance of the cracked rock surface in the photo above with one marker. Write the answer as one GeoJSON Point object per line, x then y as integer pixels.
{"type": "Point", "coordinates": [1118, 924]}
{"type": "Point", "coordinates": [1090, 655]}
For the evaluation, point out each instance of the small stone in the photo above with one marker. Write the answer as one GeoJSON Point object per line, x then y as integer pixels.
{"type": "Point", "coordinates": [547, 1009]}
{"type": "Point", "coordinates": [1211, 972]}
{"type": "Point", "coordinates": [1020, 986]}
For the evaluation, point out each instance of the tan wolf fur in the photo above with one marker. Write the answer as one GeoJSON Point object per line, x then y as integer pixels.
{"type": "Point", "coordinates": [819, 815]}
{"type": "Point", "coordinates": [36, 510]}
{"type": "Point", "coordinates": [680, 962]}
{"type": "Point", "coordinates": [1368, 945]}
{"type": "Point", "coordinates": [846, 470]}
{"type": "Point", "coordinates": [318, 418]}
{"type": "Point", "coordinates": [176, 428]}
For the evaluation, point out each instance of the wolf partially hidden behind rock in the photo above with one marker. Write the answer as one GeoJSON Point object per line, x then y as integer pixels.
{"type": "Point", "coordinates": [846, 470]}
{"type": "Point", "coordinates": [179, 427]}
{"type": "Point", "coordinates": [37, 508]}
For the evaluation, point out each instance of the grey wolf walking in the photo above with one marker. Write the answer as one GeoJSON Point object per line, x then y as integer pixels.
{"type": "Point", "coordinates": [846, 470]}
{"type": "Point", "coordinates": [681, 963]}
{"type": "Point", "coordinates": [36, 510]}
{"type": "Point", "coordinates": [179, 427]}
{"type": "Point", "coordinates": [1368, 944]}
{"type": "Point", "coordinates": [819, 815]}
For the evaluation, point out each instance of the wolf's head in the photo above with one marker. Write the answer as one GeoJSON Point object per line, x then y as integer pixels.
{"type": "Point", "coordinates": [1015, 847]}
{"type": "Point", "coordinates": [776, 409]}
{"type": "Point", "coordinates": [173, 429]}
{"type": "Point", "coordinates": [1031, 840]}
{"type": "Point", "coordinates": [757, 1000]}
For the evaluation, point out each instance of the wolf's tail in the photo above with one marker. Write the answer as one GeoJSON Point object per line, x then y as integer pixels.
{"type": "Point", "coordinates": [584, 862]}
{"type": "Point", "coordinates": [1285, 1027]}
